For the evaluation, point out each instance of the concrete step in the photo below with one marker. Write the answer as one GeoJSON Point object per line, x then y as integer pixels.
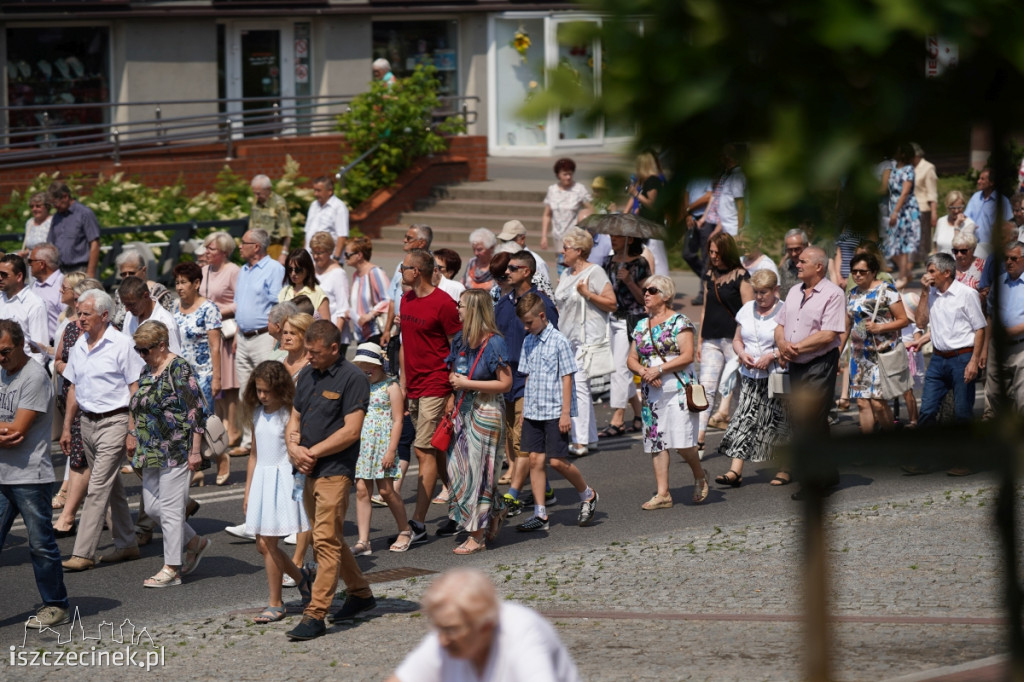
{"type": "Point", "coordinates": [471, 221]}
{"type": "Point", "coordinates": [390, 242]}
{"type": "Point", "coordinates": [489, 191]}
{"type": "Point", "coordinates": [512, 209]}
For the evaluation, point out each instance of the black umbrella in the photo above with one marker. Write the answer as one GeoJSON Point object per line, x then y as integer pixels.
{"type": "Point", "coordinates": [623, 225]}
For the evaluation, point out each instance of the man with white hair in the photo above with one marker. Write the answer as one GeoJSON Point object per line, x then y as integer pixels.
{"type": "Point", "coordinates": [477, 636]}
{"type": "Point", "coordinates": [270, 214]}
{"type": "Point", "coordinates": [47, 280]}
{"type": "Point", "coordinates": [328, 214]}
{"type": "Point", "coordinates": [103, 370]}
{"type": "Point", "coordinates": [381, 69]}
{"type": "Point", "coordinates": [515, 232]}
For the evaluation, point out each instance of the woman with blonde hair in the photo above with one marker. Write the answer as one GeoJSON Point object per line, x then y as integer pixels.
{"type": "Point", "coordinates": [479, 376]}
{"type": "Point", "coordinates": [334, 284]}
{"type": "Point", "coordinates": [662, 354]}
{"type": "Point", "coordinates": [584, 297]}
{"type": "Point", "coordinates": [952, 225]}
{"type": "Point", "coordinates": [650, 180]}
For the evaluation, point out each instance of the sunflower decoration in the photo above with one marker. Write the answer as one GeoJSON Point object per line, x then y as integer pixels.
{"type": "Point", "coordinates": [521, 43]}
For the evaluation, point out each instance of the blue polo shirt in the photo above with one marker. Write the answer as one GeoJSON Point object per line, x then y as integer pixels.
{"type": "Point", "coordinates": [511, 327]}
{"type": "Point", "coordinates": [1011, 301]}
{"type": "Point", "coordinates": [256, 293]}
{"type": "Point", "coordinates": [72, 232]}
{"type": "Point", "coordinates": [983, 212]}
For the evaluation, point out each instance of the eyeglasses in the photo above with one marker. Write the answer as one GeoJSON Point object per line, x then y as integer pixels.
{"type": "Point", "coordinates": [128, 273]}
{"type": "Point", "coordinates": [955, 208]}
{"type": "Point", "coordinates": [961, 251]}
{"type": "Point", "coordinates": [4, 275]}
{"type": "Point", "coordinates": [516, 268]}
{"type": "Point", "coordinates": [566, 247]}
{"type": "Point", "coordinates": [250, 243]}
{"type": "Point", "coordinates": [35, 260]}
{"type": "Point", "coordinates": [144, 350]}
{"type": "Point", "coordinates": [652, 291]}
{"type": "Point", "coordinates": [858, 271]}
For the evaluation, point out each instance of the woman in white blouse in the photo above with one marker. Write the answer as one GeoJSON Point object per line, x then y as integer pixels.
{"type": "Point", "coordinates": [334, 283]}
{"type": "Point", "coordinates": [952, 225]}
{"type": "Point", "coordinates": [759, 422]}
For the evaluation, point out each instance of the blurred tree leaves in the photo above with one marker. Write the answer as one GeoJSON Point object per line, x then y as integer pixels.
{"type": "Point", "coordinates": [820, 90]}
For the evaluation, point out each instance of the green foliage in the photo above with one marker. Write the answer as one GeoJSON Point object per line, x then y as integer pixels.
{"type": "Point", "coordinates": [820, 91]}
{"type": "Point", "coordinates": [399, 119]}
{"type": "Point", "coordinates": [118, 201]}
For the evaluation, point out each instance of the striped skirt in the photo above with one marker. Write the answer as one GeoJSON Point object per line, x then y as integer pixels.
{"type": "Point", "coordinates": [758, 424]}
{"type": "Point", "coordinates": [479, 443]}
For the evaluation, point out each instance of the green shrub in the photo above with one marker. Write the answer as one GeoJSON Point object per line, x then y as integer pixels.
{"type": "Point", "coordinates": [399, 118]}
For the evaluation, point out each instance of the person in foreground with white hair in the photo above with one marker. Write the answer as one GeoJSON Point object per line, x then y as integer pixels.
{"type": "Point", "coordinates": [476, 636]}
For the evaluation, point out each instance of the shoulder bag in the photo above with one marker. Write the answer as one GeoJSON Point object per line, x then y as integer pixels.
{"type": "Point", "coordinates": [215, 439]}
{"type": "Point", "coordinates": [596, 357]}
{"type": "Point", "coordinates": [228, 326]}
{"type": "Point", "coordinates": [696, 396]}
{"type": "Point", "coordinates": [893, 365]}
{"type": "Point", "coordinates": [442, 438]}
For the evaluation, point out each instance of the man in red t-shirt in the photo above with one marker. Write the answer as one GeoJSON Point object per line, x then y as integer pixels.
{"type": "Point", "coordinates": [430, 319]}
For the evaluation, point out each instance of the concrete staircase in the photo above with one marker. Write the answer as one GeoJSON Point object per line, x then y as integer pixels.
{"type": "Point", "coordinates": [455, 211]}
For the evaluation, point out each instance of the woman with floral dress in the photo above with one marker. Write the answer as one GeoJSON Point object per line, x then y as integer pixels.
{"type": "Point", "coordinates": [479, 435]}
{"type": "Point", "coordinates": [169, 419]}
{"type": "Point", "coordinates": [874, 317]}
{"type": "Point", "coordinates": [199, 323]}
{"type": "Point", "coordinates": [662, 354]}
{"type": "Point", "coordinates": [904, 230]}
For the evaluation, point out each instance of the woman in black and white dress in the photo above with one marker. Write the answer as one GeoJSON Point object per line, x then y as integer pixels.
{"type": "Point", "coordinates": [759, 422]}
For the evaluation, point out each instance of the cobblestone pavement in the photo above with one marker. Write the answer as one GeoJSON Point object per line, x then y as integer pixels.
{"type": "Point", "coordinates": [915, 588]}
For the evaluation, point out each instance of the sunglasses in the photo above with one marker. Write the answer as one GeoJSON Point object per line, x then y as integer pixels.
{"type": "Point", "coordinates": [1012, 259]}
{"type": "Point", "coordinates": [5, 352]}
{"type": "Point", "coordinates": [515, 268]}
{"type": "Point", "coordinates": [294, 270]}
{"type": "Point", "coordinates": [858, 271]}
{"type": "Point", "coordinates": [144, 350]}
{"type": "Point", "coordinates": [347, 254]}
{"type": "Point", "coordinates": [408, 267]}
{"type": "Point", "coordinates": [653, 291]}
{"type": "Point", "coordinates": [961, 251]}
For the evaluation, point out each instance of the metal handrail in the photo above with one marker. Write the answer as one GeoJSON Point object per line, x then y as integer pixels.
{"type": "Point", "coordinates": [307, 115]}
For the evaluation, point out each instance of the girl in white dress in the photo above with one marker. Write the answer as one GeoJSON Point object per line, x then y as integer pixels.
{"type": "Point", "coordinates": [270, 511]}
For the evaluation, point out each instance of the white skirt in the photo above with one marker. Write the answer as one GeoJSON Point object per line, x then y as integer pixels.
{"type": "Point", "coordinates": [667, 425]}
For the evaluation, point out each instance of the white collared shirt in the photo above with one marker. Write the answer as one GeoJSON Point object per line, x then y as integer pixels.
{"type": "Point", "coordinates": [29, 311]}
{"type": "Point", "coordinates": [332, 217]}
{"type": "Point", "coordinates": [450, 287]}
{"type": "Point", "coordinates": [159, 314]}
{"type": "Point", "coordinates": [102, 375]}
{"type": "Point", "coordinates": [48, 291]}
{"type": "Point", "coordinates": [954, 316]}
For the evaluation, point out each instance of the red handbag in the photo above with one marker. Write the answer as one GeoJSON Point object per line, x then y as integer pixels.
{"type": "Point", "coordinates": [442, 438]}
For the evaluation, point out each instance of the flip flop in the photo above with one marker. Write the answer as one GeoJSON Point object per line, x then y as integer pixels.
{"type": "Point", "coordinates": [271, 614]}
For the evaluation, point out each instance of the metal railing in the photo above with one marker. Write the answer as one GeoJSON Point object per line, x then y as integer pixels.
{"type": "Point", "coordinates": [141, 127]}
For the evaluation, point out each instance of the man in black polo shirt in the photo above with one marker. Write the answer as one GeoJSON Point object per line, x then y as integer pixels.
{"type": "Point", "coordinates": [331, 397]}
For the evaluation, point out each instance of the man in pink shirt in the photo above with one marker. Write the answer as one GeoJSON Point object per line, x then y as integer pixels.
{"type": "Point", "coordinates": [810, 322]}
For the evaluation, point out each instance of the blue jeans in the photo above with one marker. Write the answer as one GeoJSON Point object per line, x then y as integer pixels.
{"type": "Point", "coordinates": [32, 501]}
{"type": "Point", "coordinates": [945, 375]}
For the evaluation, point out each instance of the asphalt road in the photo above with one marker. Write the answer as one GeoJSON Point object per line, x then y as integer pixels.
{"type": "Point", "coordinates": [231, 576]}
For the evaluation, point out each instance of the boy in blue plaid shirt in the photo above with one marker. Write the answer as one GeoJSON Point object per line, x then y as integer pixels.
{"type": "Point", "coordinates": [549, 403]}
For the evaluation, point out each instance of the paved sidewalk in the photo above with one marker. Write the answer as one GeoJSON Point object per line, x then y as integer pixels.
{"type": "Point", "coordinates": [915, 588]}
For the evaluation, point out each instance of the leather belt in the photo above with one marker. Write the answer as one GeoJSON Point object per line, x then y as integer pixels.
{"type": "Point", "coordinates": [1015, 342]}
{"type": "Point", "coordinates": [103, 415]}
{"type": "Point", "coordinates": [953, 353]}
{"type": "Point", "coordinates": [255, 332]}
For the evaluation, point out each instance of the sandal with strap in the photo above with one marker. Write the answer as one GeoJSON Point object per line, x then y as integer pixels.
{"type": "Point", "coordinates": [700, 489]}
{"type": "Point", "coordinates": [164, 578]}
{"type": "Point", "coordinates": [60, 499]}
{"type": "Point", "coordinates": [638, 425]}
{"type": "Point", "coordinates": [779, 480]}
{"type": "Point", "coordinates": [729, 478]}
{"type": "Point", "coordinates": [362, 548]}
{"type": "Point", "coordinates": [464, 548]}
{"type": "Point", "coordinates": [399, 545]}
{"type": "Point", "coordinates": [271, 614]}
{"type": "Point", "coordinates": [612, 431]}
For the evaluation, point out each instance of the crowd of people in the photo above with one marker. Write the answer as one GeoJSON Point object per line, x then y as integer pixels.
{"type": "Point", "coordinates": [483, 372]}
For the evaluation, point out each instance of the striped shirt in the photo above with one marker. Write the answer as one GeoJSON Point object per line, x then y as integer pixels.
{"type": "Point", "coordinates": [546, 358]}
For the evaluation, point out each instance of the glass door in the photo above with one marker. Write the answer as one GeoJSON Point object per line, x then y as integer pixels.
{"type": "Point", "coordinates": [261, 78]}
{"type": "Point", "coordinates": [582, 61]}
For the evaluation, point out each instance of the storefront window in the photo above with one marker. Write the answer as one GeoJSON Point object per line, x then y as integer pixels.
{"type": "Point", "coordinates": [408, 43]}
{"type": "Point", "coordinates": [519, 67]}
{"type": "Point", "coordinates": [60, 66]}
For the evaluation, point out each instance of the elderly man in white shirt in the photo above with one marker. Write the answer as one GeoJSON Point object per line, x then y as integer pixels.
{"type": "Point", "coordinates": [327, 213]}
{"type": "Point", "coordinates": [44, 264]}
{"type": "Point", "coordinates": [952, 313]}
{"type": "Point", "coordinates": [103, 370]}
{"type": "Point", "coordinates": [142, 307]}
{"type": "Point", "coordinates": [18, 303]}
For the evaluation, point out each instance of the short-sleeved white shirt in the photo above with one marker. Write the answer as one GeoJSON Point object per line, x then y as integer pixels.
{"type": "Point", "coordinates": [571, 304]}
{"type": "Point", "coordinates": [29, 389]}
{"type": "Point", "coordinates": [450, 287]}
{"type": "Point", "coordinates": [733, 187]}
{"type": "Point", "coordinates": [29, 311]}
{"type": "Point", "coordinates": [525, 649]}
{"type": "Point", "coordinates": [102, 375]}
{"type": "Point", "coordinates": [954, 316]}
{"type": "Point", "coordinates": [758, 335]}
{"type": "Point", "coordinates": [159, 314]}
{"type": "Point", "coordinates": [565, 206]}
{"type": "Point", "coordinates": [332, 218]}
{"type": "Point", "coordinates": [334, 283]}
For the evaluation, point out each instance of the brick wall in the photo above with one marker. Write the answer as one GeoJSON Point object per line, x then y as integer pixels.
{"type": "Point", "coordinates": [198, 166]}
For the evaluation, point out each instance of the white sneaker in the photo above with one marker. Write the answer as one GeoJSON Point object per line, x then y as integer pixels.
{"type": "Point", "coordinates": [291, 540]}
{"type": "Point", "coordinates": [287, 581]}
{"type": "Point", "coordinates": [239, 532]}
